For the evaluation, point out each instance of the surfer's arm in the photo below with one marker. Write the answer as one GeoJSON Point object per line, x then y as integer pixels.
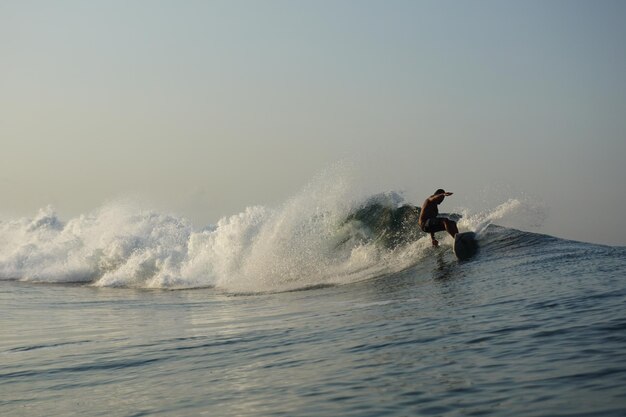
{"type": "Point", "coordinates": [434, 241]}
{"type": "Point", "coordinates": [436, 196]}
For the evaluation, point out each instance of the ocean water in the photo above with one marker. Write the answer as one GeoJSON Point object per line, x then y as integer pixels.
{"type": "Point", "coordinates": [293, 312]}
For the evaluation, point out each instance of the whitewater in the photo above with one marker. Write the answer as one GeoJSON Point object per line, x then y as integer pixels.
{"type": "Point", "coordinates": [307, 309]}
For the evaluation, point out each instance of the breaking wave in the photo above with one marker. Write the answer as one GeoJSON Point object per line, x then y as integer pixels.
{"type": "Point", "coordinates": [304, 243]}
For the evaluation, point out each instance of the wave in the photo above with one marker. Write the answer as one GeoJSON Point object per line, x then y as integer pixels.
{"type": "Point", "coordinates": [322, 236]}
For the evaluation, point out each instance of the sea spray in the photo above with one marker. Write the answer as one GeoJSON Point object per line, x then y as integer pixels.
{"type": "Point", "coordinates": [515, 213]}
{"type": "Point", "coordinates": [303, 243]}
{"type": "Point", "coordinates": [118, 244]}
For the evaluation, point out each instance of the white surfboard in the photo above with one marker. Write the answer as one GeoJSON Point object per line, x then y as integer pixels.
{"type": "Point", "coordinates": [465, 245]}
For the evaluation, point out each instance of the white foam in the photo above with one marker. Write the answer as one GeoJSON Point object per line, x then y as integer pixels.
{"type": "Point", "coordinates": [261, 249]}
{"type": "Point", "coordinates": [515, 213]}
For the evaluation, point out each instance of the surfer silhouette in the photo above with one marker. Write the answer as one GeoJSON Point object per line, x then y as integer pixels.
{"type": "Point", "coordinates": [428, 220]}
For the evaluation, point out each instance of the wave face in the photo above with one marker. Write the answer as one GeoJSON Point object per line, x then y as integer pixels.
{"type": "Point", "coordinates": [322, 236]}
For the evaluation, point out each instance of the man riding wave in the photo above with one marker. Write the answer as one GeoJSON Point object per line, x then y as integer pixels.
{"type": "Point", "coordinates": [428, 220]}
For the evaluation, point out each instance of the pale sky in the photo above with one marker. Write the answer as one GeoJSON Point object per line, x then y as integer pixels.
{"type": "Point", "coordinates": [206, 107]}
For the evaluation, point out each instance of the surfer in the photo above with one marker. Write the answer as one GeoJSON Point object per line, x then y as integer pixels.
{"type": "Point", "coordinates": [428, 220]}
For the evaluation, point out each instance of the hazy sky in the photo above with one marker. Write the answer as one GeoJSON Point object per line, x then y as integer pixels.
{"type": "Point", "coordinates": [206, 107]}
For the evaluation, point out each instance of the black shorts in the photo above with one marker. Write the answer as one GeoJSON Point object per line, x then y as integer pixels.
{"type": "Point", "coordinates": [434, 224]}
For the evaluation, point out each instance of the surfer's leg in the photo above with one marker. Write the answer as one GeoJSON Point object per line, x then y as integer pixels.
{"type": "Point", "coordinates": [451, 227]}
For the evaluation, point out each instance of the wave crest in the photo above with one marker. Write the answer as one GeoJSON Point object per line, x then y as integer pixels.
{"type": "Point", "coordinates": [313, 239]}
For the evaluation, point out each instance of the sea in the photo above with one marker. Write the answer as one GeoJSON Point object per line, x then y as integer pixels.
{"type": "Point", "coordinates": [290, 311]}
